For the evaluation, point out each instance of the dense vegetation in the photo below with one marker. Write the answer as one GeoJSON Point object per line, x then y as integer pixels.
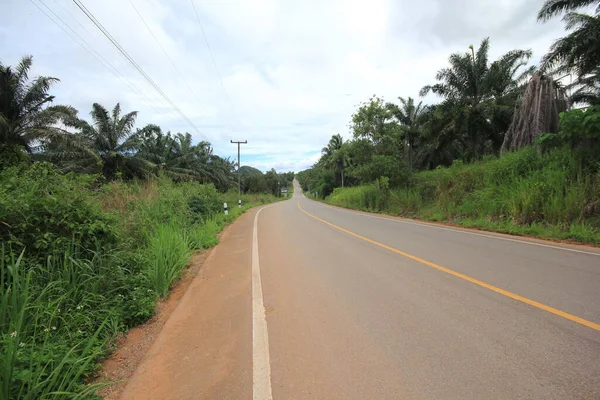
{"type": "Point", "coordinates": [98, 220]}
{"type": "Point", "coordinates": [449, 161]}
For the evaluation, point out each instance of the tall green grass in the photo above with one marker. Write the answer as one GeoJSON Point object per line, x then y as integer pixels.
{"type": "Point", "coordinates": [166, 256]}
{"type": "Point", "coordinates": [547, 195]}
{"type": "Point", "coordinates": [40, 356]}
{"type": "Point", "coordinates": [89, 262]}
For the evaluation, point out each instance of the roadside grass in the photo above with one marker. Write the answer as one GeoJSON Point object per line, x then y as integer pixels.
{"type": "Point", "coordinates": [167, 254]}
{"type": "Point", "coordinates": [526, 193]}
{"type": "Point", "coordinates": [82, 263]}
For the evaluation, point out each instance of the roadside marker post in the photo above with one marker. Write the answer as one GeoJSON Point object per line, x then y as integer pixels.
{"type": "Point", "coordinates": [225, 209]}
{"type": "Point", "coordinates": [240, 203]}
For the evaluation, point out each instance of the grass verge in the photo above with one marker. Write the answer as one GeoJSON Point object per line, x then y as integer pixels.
{"type": "Point", "coordinates": [523, 193]}
{"type": "Point", "coordinates": [81, 263]}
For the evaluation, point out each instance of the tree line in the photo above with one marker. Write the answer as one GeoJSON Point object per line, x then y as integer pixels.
{"type": "Point", "coordinates": [479, 100]}
{"type": "Point", "coordinates": [32, 129]}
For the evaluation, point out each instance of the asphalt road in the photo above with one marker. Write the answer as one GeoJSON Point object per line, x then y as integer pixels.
{"type": "Point", "coordinates": [349, 319]}
{"type": "Point", "coordinates": [359, 306]}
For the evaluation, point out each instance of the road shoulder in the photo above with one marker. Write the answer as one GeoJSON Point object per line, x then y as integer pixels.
{"type": "Point", "coordinates": [204, 350]}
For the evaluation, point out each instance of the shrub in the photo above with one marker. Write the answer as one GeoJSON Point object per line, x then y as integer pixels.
{"type": "Point", "coordinates": [205, 202]}
{"type": "Point", "coordinates": [524, 192]}
{"type": "Point", "coordinates": [94, 260]}
{"type": "Point", "coordinates": [42, 210]}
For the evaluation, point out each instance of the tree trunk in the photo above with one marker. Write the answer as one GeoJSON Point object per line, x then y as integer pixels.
{"type": "Point", "coordinates": [342, 177]}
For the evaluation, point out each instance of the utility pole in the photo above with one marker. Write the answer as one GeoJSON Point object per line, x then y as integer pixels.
{"type": "Point", "coordinates": [239, 175]}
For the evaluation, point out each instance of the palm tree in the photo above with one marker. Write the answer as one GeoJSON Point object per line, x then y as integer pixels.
{"type": "Point", "coordinates": [438, 144]}
{"type": "Point", "coordinates": [335, 155]}
{"type": "Point", "coordinates": [154, 146]}
{"type": "Point", "coordinates": [191, 156]}
{"type": "Point", "coordinates": [26, 117]}
{"type": "Point", "coordinates": [483, 95]}
{"type": "Point", "coordinates": [410, 117]}
{"type": "Point", "coordinates": [587, 89]}
{"type": "Point", "coordinates": [221, 172]}
{"type": "Point", "coordinates": [579, 51]}
{"type": "Point", "coordinates": [335, 143]}
{"type": "Point", "coordinates": [107, 146]}
{"type": "Point", "coordinates": [552, 8]}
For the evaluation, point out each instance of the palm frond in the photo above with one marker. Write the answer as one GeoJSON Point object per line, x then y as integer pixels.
{"type": "Point", "coordinates": [22, 69]}
{"type": "Point", "coordinates": [124, 125]}
{"type": "Point", "coordinates": [552, 8]}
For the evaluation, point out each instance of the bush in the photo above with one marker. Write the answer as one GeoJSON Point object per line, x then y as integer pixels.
{"type": "Point", "coordinates": [42, 211]}
{"type": "Point", "coordinates": [93, 261]}
{"type": "Point", "coordinates": [205, 202]}
{"type": "Point", "coordinates": [526, 192]}
{"type": "Point", "coordinates": [580, 130]}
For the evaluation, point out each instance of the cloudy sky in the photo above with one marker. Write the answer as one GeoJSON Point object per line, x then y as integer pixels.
{"type": "Point", "coordinates": [286, 74]}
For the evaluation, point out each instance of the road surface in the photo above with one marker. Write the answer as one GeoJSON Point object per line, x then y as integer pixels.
{"type": "Point", "coordinates": [339, 304]}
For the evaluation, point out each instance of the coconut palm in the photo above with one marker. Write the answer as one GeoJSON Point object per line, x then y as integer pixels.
{"type": "Point", "coordinates": [483, 95]}
{"type": "Point", "coordinates": [27, 118]}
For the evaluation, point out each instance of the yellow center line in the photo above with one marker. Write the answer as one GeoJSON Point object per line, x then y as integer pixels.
{"type": "Point", "coordinates": [506, 293]}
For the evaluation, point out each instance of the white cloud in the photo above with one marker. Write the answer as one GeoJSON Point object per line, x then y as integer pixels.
{"type": "Point", "coordinates": [293, 71]}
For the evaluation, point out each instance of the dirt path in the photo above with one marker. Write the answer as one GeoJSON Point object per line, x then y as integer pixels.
{"type": "Point", "coordinates": [204, 342]}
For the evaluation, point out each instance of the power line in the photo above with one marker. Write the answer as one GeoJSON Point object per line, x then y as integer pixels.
{"type": "Point", "coordinates": [167, 55]}
{"type": "Point", "coordinates": [213, 61]}
{"type": "Point", "coordinates": [115, 43]}
{"type": "Point", "coordinates": [98, 57]}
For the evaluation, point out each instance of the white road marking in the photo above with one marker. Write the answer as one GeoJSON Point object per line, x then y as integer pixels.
{"type": "Point", "coordinates": [459, 230]}
{"type": "Point", "coordinates": [261, 366]}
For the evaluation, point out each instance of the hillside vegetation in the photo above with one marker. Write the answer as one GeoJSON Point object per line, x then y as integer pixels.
{"type": "Point", "coordinates": [508, 147]}
{"type": "Point", "coordinates": [525, 192]}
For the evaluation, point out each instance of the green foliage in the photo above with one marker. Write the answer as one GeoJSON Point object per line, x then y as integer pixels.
{"type": "Point", "coordinates": [383, 166]}
{"type": "Point", "coordinates": [12, 156]}
{"type": "Point", "coordinates": [253, 181]}
{"type": "Point", "coordinates": [480, 97]}
{"type": "Point", "coordinates": [581, 127]}
{"type": "Point", "coordinates": [42, 210]}
{"type": "Point", "coordinates": [106, 146]}
{"type": "Point", "coordinates": [165, 257]}
{"type": "Point", "coordinates": [525, 192]}
{"type": "Point", "coordinates": [93, 262]}
{"type": "Point", "coordinates": [51, 334]}
{"type": "Point", "coordinates": [373, 121]}
{"type": "Point", "coordinates": [580, 130]}
{"type": "Point", "coordinates": [579, 51]}
{"type": "Point", "coordinates": [26, 116]}
{"type": "Point", "coordinates": [205, 202]}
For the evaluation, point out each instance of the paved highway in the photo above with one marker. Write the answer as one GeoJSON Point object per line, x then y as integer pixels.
{"type": "Point", "coordinates": [359, 306]}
